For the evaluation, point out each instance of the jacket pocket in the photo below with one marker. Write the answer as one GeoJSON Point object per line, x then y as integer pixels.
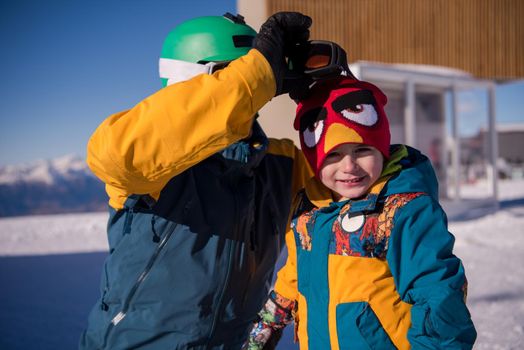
{"type": "Point", "coordinates": [359, 328]}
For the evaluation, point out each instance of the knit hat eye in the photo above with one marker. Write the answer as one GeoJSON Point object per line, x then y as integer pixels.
{"type": "Point", "coordinates": [312, 126]}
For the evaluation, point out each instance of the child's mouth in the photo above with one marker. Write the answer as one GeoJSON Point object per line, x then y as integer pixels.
{"type": "Point", "coordinates": [353, 181]}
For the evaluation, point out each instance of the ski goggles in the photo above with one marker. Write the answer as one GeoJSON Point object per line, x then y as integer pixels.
{"type": "Point", "coordinates": [319, 60]}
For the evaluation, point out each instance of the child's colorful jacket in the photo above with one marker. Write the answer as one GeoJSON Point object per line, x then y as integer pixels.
{"type": "Point", "coordinates": [373, 273]}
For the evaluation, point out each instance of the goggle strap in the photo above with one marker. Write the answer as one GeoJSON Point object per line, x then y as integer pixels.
{"type": "Point", "coordinates": [176, 70]}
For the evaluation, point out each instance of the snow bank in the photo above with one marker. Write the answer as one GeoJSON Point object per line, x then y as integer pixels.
{"type": "Point", "coordinates": [53, 234]}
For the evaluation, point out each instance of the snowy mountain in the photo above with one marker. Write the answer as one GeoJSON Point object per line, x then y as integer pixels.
{"type": "Point", "coordinates": [61, 185]}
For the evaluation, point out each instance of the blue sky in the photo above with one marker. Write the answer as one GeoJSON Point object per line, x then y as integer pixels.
{"type": "Point", "coordinates": [68, 64]}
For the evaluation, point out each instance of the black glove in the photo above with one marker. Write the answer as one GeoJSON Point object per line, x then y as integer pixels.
{"type": "Point", "coordinates": [278, 38]}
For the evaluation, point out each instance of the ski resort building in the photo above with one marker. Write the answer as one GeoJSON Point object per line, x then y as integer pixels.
{"type": "Point", "coordinates": [425, 56]}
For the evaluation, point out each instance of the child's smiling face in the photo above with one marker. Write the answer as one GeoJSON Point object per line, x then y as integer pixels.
{"type": "Point", "coordinates": [349, 170]}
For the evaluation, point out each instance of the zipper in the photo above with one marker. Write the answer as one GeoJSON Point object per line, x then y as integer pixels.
{"type": "Point", "coordinates": [123, 312]}
{"type": "Point", "coordinates": [103, 304]}
{"type": "Point", "coordinates": [222, 291]}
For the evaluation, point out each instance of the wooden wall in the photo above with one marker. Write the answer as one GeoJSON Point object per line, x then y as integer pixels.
{"type": "Point", "coordinates": [483, 37]}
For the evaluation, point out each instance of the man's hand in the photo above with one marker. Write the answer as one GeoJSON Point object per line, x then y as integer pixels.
{"type": "Point", "coordinates": [278, 38]}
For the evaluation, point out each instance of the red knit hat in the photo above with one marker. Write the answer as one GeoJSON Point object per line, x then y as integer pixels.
{"type": "Point", "coordinates": [340, 111]}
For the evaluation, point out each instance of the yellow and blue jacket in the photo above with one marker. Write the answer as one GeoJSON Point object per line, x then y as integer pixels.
{"type": "Point", "coordinates": [373, 273]}
{"type": "Point", "coordinates": [199, 203]}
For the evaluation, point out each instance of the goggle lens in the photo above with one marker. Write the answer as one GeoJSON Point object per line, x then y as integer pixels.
{"type": "Point", "coordinates": [317, 61]}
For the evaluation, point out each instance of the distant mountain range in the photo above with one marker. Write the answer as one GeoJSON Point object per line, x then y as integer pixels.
{"type": "Point", "coordinates": [62, 185]}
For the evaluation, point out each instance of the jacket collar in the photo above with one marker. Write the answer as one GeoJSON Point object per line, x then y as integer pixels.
{"type": "Point", "coordinates": [249, 152]}
{"type": "Point", "coordinates": [365, 203]}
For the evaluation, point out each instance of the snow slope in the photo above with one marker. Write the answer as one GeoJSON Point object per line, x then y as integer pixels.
{"type": "Point", "coordinates": [491, 247]}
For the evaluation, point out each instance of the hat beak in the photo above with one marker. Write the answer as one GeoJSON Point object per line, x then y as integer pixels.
{"type": "Point", "coordinates": [338, 134]}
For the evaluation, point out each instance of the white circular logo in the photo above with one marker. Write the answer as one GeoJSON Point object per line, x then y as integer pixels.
{"type": "Point", "coordinates": [353, 223]}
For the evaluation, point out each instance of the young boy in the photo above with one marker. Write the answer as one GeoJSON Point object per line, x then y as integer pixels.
{"type": "Point", "coordinates": [370, 262]}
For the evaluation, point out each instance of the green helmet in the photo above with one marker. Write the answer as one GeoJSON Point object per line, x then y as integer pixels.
{"type": "Point", "coordinates": [202, 40]}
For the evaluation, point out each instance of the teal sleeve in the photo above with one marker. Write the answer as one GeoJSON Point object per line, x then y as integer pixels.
{"type": "Point", "coordinates": [428, 276]}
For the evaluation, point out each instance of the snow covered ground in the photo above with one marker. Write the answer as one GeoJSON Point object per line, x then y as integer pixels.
{"type": "Point", "coordinates": [492, 249]}
{"type": "Point", "coordinates": [53, 234]}
{"type": "Point", "coordinates": [57, 259]}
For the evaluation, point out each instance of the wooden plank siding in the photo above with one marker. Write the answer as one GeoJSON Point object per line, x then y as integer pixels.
{"type": "Point", "coordinates": [483, 37]}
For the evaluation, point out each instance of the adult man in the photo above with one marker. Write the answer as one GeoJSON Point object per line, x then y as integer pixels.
{"type": "Point", "coordinates": [199, 197]}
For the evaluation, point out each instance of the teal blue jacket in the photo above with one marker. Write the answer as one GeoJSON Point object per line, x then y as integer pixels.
{"type": "Point", "coordinates": [379, 271]}
{"type": "Point", "coordinates": [427, 273]}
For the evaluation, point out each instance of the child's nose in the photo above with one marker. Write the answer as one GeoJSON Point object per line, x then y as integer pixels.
{"type": "Point", "coordinates": [348, 163]}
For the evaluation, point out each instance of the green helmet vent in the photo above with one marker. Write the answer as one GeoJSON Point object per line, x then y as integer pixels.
{"type": "Point", "coordinates": [243, 40]}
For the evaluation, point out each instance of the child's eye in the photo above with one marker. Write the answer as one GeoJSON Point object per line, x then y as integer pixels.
{"type": "Point", "coordinates": [363, 150]}
{"type": "Point", "coordinates": [332, 155]}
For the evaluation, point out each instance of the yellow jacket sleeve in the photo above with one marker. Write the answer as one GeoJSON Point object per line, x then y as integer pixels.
{"type": "Point", "coordinates": [140, 150]}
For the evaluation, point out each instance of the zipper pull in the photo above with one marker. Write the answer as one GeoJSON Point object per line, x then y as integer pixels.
{"type": "Point", "coordinates": [119, 317]}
